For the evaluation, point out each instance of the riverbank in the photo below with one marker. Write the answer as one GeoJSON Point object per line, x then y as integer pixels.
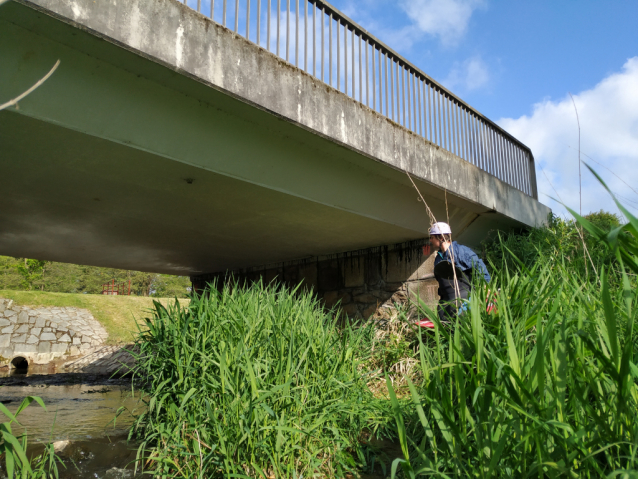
{"type": "Point", "coordinates": [119, 315]}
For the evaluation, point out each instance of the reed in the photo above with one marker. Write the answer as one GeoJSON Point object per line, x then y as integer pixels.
{"type": "Point", "coordinates": [545, 387]}
{"type": "Point", "coordinates": [255, 381]}
{"type": "Point", "coordinates": [13, 449]}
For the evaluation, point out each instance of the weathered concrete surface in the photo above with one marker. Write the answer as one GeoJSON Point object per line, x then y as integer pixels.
{"type": "Point", "coordinates": [169, 32]}
{"type": "Point", "coordinates": [363, 283]}
{"type": "Point", "coordinates": [150, 93]}
{"type": "Point", "coordinates": [41, 335]}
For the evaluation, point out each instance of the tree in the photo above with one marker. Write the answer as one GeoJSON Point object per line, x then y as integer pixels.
{"type": "Point", "coordinates": [30, 274]}
{"type": "Point", "coordinates": [31, 271]}
{"type": "Point", "coordinates": [9, 276]}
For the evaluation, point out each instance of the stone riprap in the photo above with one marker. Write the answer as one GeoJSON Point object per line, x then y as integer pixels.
{"type": "Point", "coordinates": [41, 335]}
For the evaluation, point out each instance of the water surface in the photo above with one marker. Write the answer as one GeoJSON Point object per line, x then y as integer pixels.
{"type": "Point", "coordinates": [92, 413]}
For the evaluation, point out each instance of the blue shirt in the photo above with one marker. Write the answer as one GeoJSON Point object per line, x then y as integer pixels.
{"type": "Point", "coordinates": [464, 259]}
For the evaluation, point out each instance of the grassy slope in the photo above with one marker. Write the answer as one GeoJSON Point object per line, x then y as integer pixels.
{"type": "Point", "coordinates": [117, 314]}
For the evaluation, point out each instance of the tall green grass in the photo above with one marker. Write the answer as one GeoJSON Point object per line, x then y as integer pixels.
{"type": "Point", "coordinates": [254, 381]}
{"type": "Point", "coordinates": [262, 382]}
{"type": "Point", "coordinates": [13, 449]}
{"type": "Point", "coordinates": [545, 387]}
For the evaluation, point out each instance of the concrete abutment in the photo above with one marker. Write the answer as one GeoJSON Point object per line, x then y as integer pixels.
{"type": "Point", "coordinates": [364, 283]}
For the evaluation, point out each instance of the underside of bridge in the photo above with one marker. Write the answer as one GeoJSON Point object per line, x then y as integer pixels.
{"type": "Point", "coordinates": [123, 160]}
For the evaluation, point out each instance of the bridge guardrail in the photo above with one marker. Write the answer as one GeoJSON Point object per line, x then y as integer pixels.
{"type": "Point", "coordinates": [364, 68]}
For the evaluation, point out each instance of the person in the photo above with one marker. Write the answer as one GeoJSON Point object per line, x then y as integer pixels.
{"type": "Point", "coordinates": [452, 258]}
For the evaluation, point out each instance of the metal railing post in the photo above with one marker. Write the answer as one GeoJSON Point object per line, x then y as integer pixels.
{"type": "Point", "coordinates": [248, 19]}
{"type": "Point", "coordinates": [287, 29]}
{"type": "Point", "coordinates": [323, 44]}
{"type": "Point", "coordinates": [392, 78]}
{"type": "Point", "coordinates": [368, 76]}
{"type": "Point", "coordinates": [338, 55]}
{"type": "Point", "coordinates": [258, 20]}
{"type": "Point", "coordinates": [352, 54]}
{"type": "Point", "coordinates": [236, 16]}
{"type": "Point", "coordinates": [385, 73]}
{"type": "Point", "coordinates": [439, 101]}
{"type": "Point", "coordinates": [448, 105]}
{"type": "Point", "coordinates": [501, 158]}
{"type": "Point", "coordinates": [406, 116]}
{"type": "Point", "coordinates": [416, 94]}
{"type": "Point", "coordinates": [532, 175]}
{"type": "Point", "coordinates": [424, 86]}
{"type": "Point", "coordinates": [361, 70]}
{"type": "Point", "coordinates": [268, 15]}
{"type": "Point", "coordinates": [330, 49]}
{"type": "Point", "coordinates": [418, 91]}
{"type": "Point", "coordinates": [346, 64]}
{"type": "Point", "coordinates": [278, 24]}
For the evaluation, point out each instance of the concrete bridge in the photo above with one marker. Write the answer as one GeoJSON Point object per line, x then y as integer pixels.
{"type": "Point", "coordinates": [195, 139]}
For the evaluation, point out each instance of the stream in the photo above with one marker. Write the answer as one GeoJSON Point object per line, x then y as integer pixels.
{"type": "Point", "coordinates": [79, 418]}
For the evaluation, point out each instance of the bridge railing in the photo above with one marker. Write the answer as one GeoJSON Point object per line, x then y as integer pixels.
{"type": "Point", "coordinates": [318, 38]}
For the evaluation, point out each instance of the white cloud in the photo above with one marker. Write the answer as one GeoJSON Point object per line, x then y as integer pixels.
{"type": "Point", "coordinates": [469, 75]}
{"type": "Point", "coordinates": [446, 19]}
{"type": "Point", "coordinates": [609, 134]}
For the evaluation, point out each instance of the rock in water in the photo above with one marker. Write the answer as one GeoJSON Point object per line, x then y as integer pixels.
{"type": "Point", "coordinates": [116, 473]}
{"type": "Point", "coordinates": [59, 446]}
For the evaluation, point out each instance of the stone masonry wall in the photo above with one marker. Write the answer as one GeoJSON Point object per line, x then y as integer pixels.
{"type": "Point", "coordinates": [41, 335]}
{"type": "Point", "coordinates": [365, 283]}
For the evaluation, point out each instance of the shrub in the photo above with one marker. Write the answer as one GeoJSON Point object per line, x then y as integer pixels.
{"type": "Point", "coordinates": [558, 240]}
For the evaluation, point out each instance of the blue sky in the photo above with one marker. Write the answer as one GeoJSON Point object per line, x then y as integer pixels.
{"type": "Point", "coordinates": [517, 61]}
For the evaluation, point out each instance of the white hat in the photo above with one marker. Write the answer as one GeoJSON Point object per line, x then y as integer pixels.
{"type": "Point", "coordinates": [440, 229]}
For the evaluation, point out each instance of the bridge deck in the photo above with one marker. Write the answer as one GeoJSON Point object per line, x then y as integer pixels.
{"type": "Point", "coordinates": [151, 94]}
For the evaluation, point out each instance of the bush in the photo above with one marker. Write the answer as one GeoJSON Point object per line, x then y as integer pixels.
{"type": "Point", "coordinates": [559, 240]}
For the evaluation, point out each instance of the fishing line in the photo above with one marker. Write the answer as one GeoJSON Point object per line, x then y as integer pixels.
{"type": "Point", "coordinates": [457, 290]}
{"type": "Point", "coordinates": [432, 221]}
{"type": "Point", "coordinates": [608, 169]}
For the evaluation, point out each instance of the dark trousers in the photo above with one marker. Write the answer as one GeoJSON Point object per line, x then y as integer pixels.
{"type": "Point", "coordinates": [449, 306]}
